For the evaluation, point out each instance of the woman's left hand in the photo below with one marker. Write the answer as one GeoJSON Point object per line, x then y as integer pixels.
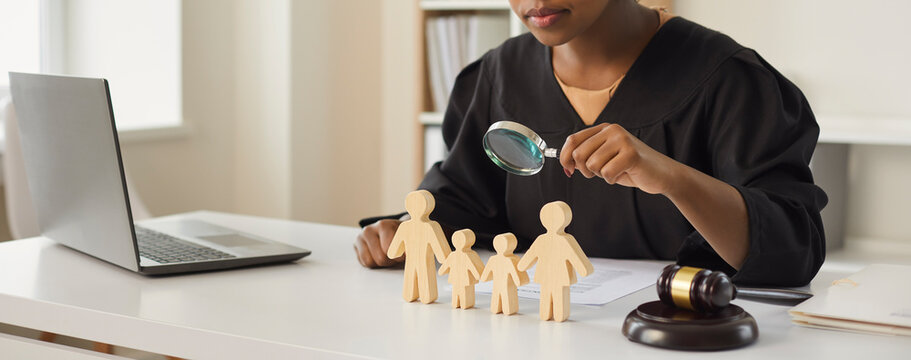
{"type": "Point", "coordinates": [610, 152]}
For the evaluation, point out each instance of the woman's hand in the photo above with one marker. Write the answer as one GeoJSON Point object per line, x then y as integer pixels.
{"type": "Point", "coordinates": [373, 242]}
{"type": "Point", "coordinates": [610, 152]}
{"type": "Point", "coordinates": [715, 208]}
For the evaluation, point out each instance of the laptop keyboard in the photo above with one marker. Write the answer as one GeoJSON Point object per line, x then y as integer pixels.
{"type": "Point", "coordinates": [167, 249]}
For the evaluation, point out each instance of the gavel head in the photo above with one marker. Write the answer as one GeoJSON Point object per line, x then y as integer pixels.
{"type": "Point", "coordinates": [696, 289]}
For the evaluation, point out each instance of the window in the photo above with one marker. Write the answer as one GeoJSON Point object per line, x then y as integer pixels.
{"type": "Point", "coordinates": [135, 44]}
{"type": "Point", "coordinates": [19, 39]}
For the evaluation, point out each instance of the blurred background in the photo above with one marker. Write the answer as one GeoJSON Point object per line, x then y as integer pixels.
{"type": "Point", "coordinates": [329, 111]}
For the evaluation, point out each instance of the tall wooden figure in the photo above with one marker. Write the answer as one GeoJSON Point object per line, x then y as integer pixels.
{"type": "Point", "coordinates": [501, 268]}
{"type": "Point", "coordinates": [419, 239]}
{"type": "Point", "coordinates": [559, 257]}
{"type": "Point", "coordinates": [464, 267]}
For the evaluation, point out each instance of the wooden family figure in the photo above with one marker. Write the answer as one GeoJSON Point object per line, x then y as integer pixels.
{"type": "Point", "coordinates": [557, 254]}
{"type": "Point", "coordinates": [464, 267]}
{"type": "Point", "coordinates": [502, 269]}
{"type": "Point", "coordinates": [420, 239]}
{"type": "Point", "coordinates": [559, 257]}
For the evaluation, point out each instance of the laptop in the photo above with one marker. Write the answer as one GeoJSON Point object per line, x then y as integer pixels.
{"type": "Point", "coordinates": [75, 175]}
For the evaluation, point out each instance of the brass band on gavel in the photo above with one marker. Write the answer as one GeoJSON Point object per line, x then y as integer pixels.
{"type": "Point", "coordinates": [695, 289]}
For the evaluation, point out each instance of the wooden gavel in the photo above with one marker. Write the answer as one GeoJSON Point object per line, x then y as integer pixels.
{"type": "Point", "coordinates": [706, 291]}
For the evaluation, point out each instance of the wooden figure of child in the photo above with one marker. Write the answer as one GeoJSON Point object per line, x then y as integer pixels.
{"type": "Point", "coordinates": [501, 268]}
{"type": "Point", "coordinates": [464, 267]}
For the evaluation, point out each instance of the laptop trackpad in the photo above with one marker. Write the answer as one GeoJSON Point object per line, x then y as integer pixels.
{"type": "Point", "coordinates": [231, 240]}
{"type": "Point", "coordinates": [194, 228]}
{"type": "Point", "coordinates": [206, 231]}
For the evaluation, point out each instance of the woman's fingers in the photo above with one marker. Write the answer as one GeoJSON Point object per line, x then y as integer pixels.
{"type": "Point", "coordinates": [386, 232]}
{"type": "Point", "coordinates": [603, 155]}
{"type": "Point", "coordinates": [584, 152]}
{"type": "Point", "coordinates": [376, 251]}
{"type": "Point", "coordinates": [607, 151]}
{"type": "Point", "coordinates": [612, 153]}
{"type": "Point", "coordinates": [373, 242]}
{"type": "Point", "coordinates": [363, 253]}
{"type": "Point", "coordinates": [567, 159]}
{"type": "Point", "coordinates": [616, 168]}
{"type": "Point", "coordinates": [593, 148]}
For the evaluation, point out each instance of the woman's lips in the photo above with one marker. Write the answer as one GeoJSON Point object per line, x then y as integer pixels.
{"type": "Point", "coordinates": [544, 17]}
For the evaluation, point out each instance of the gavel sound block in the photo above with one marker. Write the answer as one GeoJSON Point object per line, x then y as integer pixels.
{"type": "Point", "coordinates": [695, 313]}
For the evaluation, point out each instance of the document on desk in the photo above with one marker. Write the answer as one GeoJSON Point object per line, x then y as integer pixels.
{"type": "Point", "coordinates": [873, 300]}
{"type": "Point", "coordinates": [611, 280]}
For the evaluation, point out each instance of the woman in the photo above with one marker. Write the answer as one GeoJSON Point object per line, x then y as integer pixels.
{"type": "Point", "coordinates": [679, 144]}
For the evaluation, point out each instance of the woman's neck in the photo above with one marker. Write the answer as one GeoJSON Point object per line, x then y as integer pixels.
{"type": "Point", "coordinates": [596, 58]}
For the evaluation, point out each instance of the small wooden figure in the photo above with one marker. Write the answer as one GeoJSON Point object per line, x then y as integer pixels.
{"type": "Point", "coordinates": [559, 257]}
{"type": "Point", "coordinates": [419, 239]}
{"type": "Point", "coordinates": [464, 267]}
{"type": "Point", "coordinates": [501, 268]}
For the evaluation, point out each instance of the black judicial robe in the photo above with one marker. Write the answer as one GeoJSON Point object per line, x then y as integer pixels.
{"type": "Point", "coordinates": [693, 94]}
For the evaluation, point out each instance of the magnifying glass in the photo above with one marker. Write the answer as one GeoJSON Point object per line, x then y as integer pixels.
{"type": "Point", "coordinates": [516, 148]}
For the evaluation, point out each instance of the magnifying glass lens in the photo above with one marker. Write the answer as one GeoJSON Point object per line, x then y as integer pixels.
{"type": "Point", "coordinates": [514, 152]}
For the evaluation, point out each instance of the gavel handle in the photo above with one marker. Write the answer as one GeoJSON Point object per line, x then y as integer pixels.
{"type": "Point", "coordinates": [773, 296]}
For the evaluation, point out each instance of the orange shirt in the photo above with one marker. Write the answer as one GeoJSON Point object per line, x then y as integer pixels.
{"type": "Point", "coordinates": [589, 103]}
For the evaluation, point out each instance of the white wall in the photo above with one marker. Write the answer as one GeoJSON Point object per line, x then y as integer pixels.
{"type": "Point", "coordinates": [401, 59]}
{"type": "Point", "coordinates": [336, 110]}
{"type": "Point", "coordinates": [851, 59]}
{"type": "Point", "coordinates": [262, 104]}
{"type": "Point", "coordinates": [289, 114]}
{"type": "Point", "coordinates": [197, 171]}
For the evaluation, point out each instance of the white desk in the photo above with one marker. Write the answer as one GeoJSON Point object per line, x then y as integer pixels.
{"type": "Point", "coordinates": [328, 306]}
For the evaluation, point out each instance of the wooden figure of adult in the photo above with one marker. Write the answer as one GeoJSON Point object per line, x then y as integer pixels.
{"type": "Point", "coordinates": [464, 267]}
{"type": "Point", "coordinates": [501, 268]}
{"type": "Point", "coordinates": [419, 239]}
{"type": "Point", "coordinates": [559, 257]}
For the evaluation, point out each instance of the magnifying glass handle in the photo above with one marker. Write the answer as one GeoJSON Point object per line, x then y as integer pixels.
{"type": "Point", "coordinates": [552, 153]}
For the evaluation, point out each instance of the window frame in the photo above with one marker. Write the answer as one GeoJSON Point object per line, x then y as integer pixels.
{"type": "Point", "coordinates": [52, 24]}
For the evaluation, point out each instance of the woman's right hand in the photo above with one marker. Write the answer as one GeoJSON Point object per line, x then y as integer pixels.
{"type": "Point", "coordinates": [373, 243]}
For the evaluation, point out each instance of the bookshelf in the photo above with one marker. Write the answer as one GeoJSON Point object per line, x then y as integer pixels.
{"type": "Point", "coordinates": [464, 5]}
{"type": "Point", "coordinates": [497, 24]}
{"type": "Point", "coordinates": [864, 130]}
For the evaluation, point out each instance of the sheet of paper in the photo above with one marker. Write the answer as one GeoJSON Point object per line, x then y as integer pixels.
{"type": "Point", "coordinates": [611, 280]}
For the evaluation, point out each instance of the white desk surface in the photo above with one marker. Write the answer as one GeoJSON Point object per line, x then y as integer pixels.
{"type": "Point", "coordinates": [328, 306]}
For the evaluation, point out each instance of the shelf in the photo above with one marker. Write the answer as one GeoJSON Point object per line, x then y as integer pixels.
{"type": "Point", "coordinates": [464, 5]}
{"type": "Point", "coordinates": [864, 130]}
{"type": "Point", "coordinates": [860, 252]}
{"type": "Point", "coordinates": [431, 118]}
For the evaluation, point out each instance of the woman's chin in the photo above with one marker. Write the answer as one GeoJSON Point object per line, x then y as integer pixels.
{"type": "Point", "coordinates": [551, 38]}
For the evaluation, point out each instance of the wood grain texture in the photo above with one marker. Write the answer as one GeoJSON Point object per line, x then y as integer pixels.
{"type": "Point", "coordinates": [502, 269]}
{"type": "Point", "coordinates": [464, 267]}
{"type": "Point", "coordinates": [419, 239]}
{"type": "Point", "coordinates": [559, 257]}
